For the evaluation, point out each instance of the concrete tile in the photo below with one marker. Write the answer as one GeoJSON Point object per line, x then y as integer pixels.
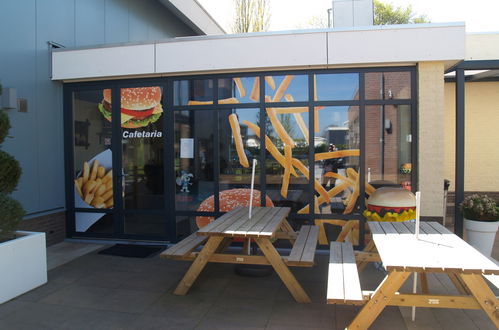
{"type": "Point", "coordinates": [105, 279]}
{"type": "Point", "coordinates": [11, 306]}
{"type": "Point", "coordinates": [252, 288]}
{"type": "Point", "coordinates": [43, 291]}
{"type": "Point", "coordinates": [454, 319]}
{"type": "Point", "coordinates": [78, 296]}
{"type": "Point", "coordinates": [302, 315]}
{"type": "Point", "coordinates": [238, 312]}
{"type": "Point", "coordinates": [129, 301]}
{"type": "Point", "coordinates": [149, 322]}
{"type": "Point", "coordinates": [425, 319]}
{"type": "Point", "coordinates": [190, 307]}
{"type": "Point", "coordinates": [480, 319]}
{"type": "Point", "coordinates": [317, 291]}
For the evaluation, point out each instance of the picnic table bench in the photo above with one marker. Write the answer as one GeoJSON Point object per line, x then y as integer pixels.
{"type": "Point", "coordinates": [265, 225]}
{"type": "Point", "coordinates": [436, 250]}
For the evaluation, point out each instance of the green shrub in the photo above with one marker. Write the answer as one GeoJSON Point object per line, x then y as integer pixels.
{"type": "Point", "coordinates": [12, 213]}
{"type": "Point", "coordinates": [4, 125]}
{"type": "Point", "coordinates": [10, 172]}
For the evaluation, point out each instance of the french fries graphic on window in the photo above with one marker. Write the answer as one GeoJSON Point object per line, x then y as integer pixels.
{"type": "Point", "coordinates": [95, 185]}
{"type": "Point", "coordinates": [349, 184]}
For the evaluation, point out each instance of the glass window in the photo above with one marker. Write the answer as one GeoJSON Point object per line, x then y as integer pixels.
{"type": "Point", "coordinates": [193, 92]}
{"type": "Point", "coordinates": [286, 88]}
{"type": "Point", "coordinates": [93, 179]}
{"type": "Point", "coordinates": [336, 87]}
{"type": "Point", "coordinates": [388, 147]}
{"type": "Point", "coordinates": [336, 140]}
{"type": "Point", "coordinates": [194, 163]}
{"type": "Point", "coordinates": [287, 132]}
{"type": "Point", "coordinates": [239, 145]}
{"type": "Point", "coordinates": [92, 222]}
{"type": "Point", "coordinates": [238, 90]}
{"type": "Point", "coordinates": [143, 147]}
{"type": "Point", "coordinates": [145, 224]}
{"type": "Point", "coordinates": [388, 85]}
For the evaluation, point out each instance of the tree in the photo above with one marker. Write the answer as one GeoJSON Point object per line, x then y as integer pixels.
{"type": "Point", "coordinates": [10, 172]}
{"type": "Point", "coordinates": [314, 22]}
{"type": "Point", "coordinates": [387, 13]}
{"type": "Point", "coordinates": [251, 16]}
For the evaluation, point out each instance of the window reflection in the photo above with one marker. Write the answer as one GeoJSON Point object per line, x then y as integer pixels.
{"type": "Point", "coordinates": [193, 92]}
{"type": "Point", "coordinates": [388, 85]}
{"type": "Point", "coordinates": [286, 88]}
{"type": "Point", "coordinates": [236, 160]}
{"type": "Point", "coordinates": [337, 160]}
{"type": "Point", "coordinates": [338, 86]}
{"type": "Point", "coordinates": [388, 154]}
{"type": "Point", "coordinates": [238, 90]}
{"type": "Point", "coordinates": [194, 163]}
{"type": "Point", "coordinates": [287, 132]}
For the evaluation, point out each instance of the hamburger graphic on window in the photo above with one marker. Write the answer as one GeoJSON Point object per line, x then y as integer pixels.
{"type": "Point", "coordinates": [139, 106]}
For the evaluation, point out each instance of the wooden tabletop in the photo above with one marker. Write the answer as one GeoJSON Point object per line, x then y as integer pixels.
{"type": "Point", "coordinates": [436, 250]}
{"type": "Point", "coordinates": [264, 222]}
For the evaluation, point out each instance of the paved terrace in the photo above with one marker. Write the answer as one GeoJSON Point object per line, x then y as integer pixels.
{"type": "Point", "coordinates": [107, 292]}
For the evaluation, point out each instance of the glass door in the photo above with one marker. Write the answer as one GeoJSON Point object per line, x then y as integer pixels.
{"type": "Point", "coordinates": [119, 162]}
{"type": "Point", "coordinates": [142, 129]}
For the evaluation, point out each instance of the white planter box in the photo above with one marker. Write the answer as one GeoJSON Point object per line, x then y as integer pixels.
{"type": "Point", "coordinates": [481, 235]}
{"type": "Point", "coordinates": [23, 264]}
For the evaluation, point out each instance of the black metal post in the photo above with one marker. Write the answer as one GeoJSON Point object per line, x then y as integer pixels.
{"type": "Point", "coordinates": [459, 186]}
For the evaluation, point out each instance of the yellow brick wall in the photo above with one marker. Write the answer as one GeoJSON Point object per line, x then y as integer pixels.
{"type": "Point", "coordinates": [431, 136]}
{"type": "Point", "coordinates": [481, 137]}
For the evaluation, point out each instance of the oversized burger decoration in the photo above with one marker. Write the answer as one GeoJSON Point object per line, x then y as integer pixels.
{"type": "Point", "coordinates": [391, 204]}
{"type": "Point", "coordinates": [139, 106]}
{"type": "Point", "coordinates": [229, 199]}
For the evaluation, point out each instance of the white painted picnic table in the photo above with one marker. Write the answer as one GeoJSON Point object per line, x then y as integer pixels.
{"type": "Point", "coordinates": [437, 250]}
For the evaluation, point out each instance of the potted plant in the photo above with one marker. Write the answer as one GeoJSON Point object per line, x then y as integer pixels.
{"type": "Point", "coordinates": [481, 220]}
{"type": "Point", "coordinates": [22, 254]}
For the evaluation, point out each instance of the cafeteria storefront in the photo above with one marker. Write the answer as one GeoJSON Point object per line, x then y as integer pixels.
{"type": "Point", "coordinates": [155, 155]}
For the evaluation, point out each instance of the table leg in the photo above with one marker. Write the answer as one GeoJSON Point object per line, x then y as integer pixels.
{"type": "Point", "coordinates": [197, 265]}
{"type": "Point", "coordinates": [381, 297]}
{"type": "Point", "coordinates": [286, 227]}
{"type": "Point", "coordinates": [459, 284]}
{"type": "Point", "coordinates": [370, 247]}
{"type": "Point", "coordinates": [282, 270]}
{"type": "Point", "coordinates": [482, 293]}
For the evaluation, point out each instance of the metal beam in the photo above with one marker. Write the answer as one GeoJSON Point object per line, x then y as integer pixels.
{"type": "Point", "coordinates": [459, 176]}
{"type": "Point", "coordinates": [478, 65]}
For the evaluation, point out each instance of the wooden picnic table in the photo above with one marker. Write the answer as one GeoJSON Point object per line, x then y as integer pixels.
{"type": "Point", "coordinates": [437, 250]}
{"type": "Point", "coordinates": [265, 226]}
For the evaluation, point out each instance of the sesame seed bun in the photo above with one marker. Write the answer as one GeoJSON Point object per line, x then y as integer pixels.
{"type": "Point", "coordinates": [392, 197]}
{"type": "Point", "coordinates": [229, 199]}
{"type": "Point", "coordinates": [138, 98]}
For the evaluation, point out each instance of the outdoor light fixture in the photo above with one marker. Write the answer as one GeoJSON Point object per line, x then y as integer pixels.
{"type": "Point", "coordinates": [388, 126]}
{"type": "Point", "coordinates": [9, 98]}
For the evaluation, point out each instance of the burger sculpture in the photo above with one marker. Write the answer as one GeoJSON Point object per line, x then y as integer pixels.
{"type": "Point", "coordinates": [139, 106]}
{"type": "Point", "coordinates": [229, 199]}
{"type": "Point", "coordinates": [391, 204]}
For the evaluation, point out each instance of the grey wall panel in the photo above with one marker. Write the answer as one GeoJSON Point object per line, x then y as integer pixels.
{"type": "Point", "coordinates": [116, 21]}
{"type": "Point", "coordinates": [26, 27]}
{"type": "Point", "coordinates": [89, 27]}
{"type": "Point", "coordinates": [18, 71]}
{"type": "Point", "coordinates": [138, 21]}
{"type": "Point", "coordinates": [48, 103]}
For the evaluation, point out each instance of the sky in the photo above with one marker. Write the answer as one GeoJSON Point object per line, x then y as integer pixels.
{"type": "Point", "coordinates": [479, 15]}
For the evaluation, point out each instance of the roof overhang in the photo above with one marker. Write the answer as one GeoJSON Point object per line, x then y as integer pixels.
{"type": "Point", "coordinates": [328, 48]}
{"type": "Point", "coordinates": [194, 16]}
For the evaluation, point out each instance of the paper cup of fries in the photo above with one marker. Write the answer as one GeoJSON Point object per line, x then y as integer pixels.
{"type": "Point", "coordinates": [94, 184]}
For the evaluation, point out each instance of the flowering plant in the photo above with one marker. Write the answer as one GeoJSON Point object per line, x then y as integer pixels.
{"type": "Point", "coordinates": [480, 207]}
